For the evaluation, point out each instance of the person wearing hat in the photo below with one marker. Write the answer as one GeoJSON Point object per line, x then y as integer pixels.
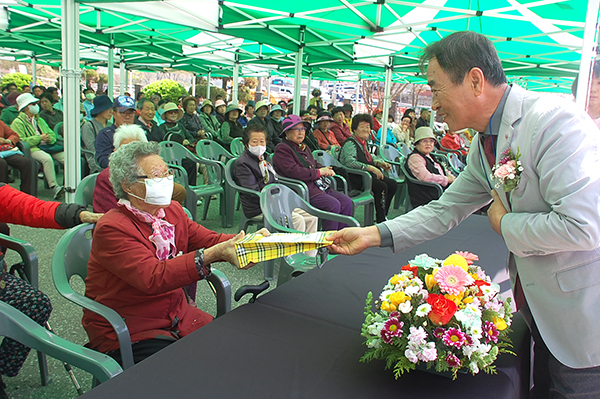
{"type": "Point", "coordinates": [276, 116]}
{"type": "Point", "coordinates": [145, 119]}
{"type": "Point", "coordinates": [355, 154]}
{"type": "Point", "coordinates": [261, 112]}
{"type": "Point", "coordinates": [209, 121]}
{"type": "Point", "coordinates": [220, 108]}
{"type": "Point", "coordinates": [231, 127]}
{"type": "Point", "coordinates": [421, 165]}
{"type": "Point", "coordinates": [339, 127]}
{"type": "Point", "coordinates": [294, 159]}
{"type": "Point", "coordinates": [35, 131]}
{"type": "Point", "coordinates": [316, 99]}
{"type": "Point", "coordinates": [248, 113]}
{"type": "Point", "coordinates": [11, 111]}
{"type": "Point", "coordinates": [284, 106]}
{"type": "Point", "coordinates": [325, 137]}
{"type": "Point", "coordinates": [173, 130]}
{"type": "Point", "coordinates": [123, 114]}
{"type": "Point", "coordinates": [348, 110]}
{"type": "Point", "coordinates": [101, 114]}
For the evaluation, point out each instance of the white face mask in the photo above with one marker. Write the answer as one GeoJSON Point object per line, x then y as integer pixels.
{"type": "Point", "coordinates": [258, 150]}
{"type": "Point", "coordinates": [34, 109]}
{"type": "Point", "coordinates": [158, 192]}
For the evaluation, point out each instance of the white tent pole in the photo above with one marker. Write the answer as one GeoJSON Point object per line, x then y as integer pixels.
{"type": "Point", "coordinates": [298, 74]}
{"type": "Point", "coordinates": [587, 53]}
{"type": "Point", "coordinates": [193, 85]}
{"type": "Point", "coordinates": [122, 78]}
{"type": "Point", "coordinates": [71, 79]}
{"type": "Point", "coordinates": [129, 81]}
{"type": "Point", "coordinates": [357, 93]}
{"type": "Point", "coordinates": [268, 87]}
{"type": "Point", "coordinates": [33, 69]}
{"type": "Point", "coordinates": [111, 71]}
{"type": "Point", "coordinates": [334, 92]}
{"type": "Point", "coordinates": [234, 86]}
{"type": "Point", "coordinates": [386, 102]}
{"type": "Point", "coordinates": [208, 85]}
{"type": "Point", "coordinates": [308, 87]}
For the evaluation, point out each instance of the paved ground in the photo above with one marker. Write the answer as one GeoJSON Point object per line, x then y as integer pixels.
{"type": "Point", "coordinates": [66, 317]}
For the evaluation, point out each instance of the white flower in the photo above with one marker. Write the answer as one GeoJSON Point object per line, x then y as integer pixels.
{"type": "Point", "coordinates": [417, 335]}
{"type": "Point", "coordinates": [475, 331]}
{"type": "Point", "coordinates": [474, 368]}
{"type": "Point", "coordinates": [412, 290]}
{"type": "Point", "coordinates": [423, 310]}
{"type": "Point", "coordinates": [411, 356]}
{"type": "Point", "coordinates": [429, 353]}
{"type": "Point", "coordinates": [385, 294]}
{"type": "Point", "coordinates": [405, 307]}
{"type": "Point", "coordinates": [484, 348]}
{"type": "Point", "coordinates": [375, 328]}
{"type": "Point", "coordinates": [375, 343]}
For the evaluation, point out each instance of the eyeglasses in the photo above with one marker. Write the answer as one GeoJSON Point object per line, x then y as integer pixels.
{"type": "Point", "coordinates": [158, 176]}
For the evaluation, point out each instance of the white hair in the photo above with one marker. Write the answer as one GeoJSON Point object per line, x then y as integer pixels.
{"type": "Point", "coordinates": [128, 132]}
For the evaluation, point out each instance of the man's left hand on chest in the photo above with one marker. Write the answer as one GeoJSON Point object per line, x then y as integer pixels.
{"type": "Point", "coordinates": [496, 211]}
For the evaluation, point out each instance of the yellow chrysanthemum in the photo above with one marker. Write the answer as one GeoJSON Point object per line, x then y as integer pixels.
{"type": "Point", "coordinates": [499, 323]}
{"type": "Point", "coordinates": [388, 307]}
{"type": "Point", "coordinates": [455, 298]}
{"type": "Point", "coordinates": [395, 279]}
{"type": "Point", "coordinates": [456, 260]}
{"type": "Point", "coordinates": [468, 299]}
{"type": "Point", "coordinates": [429, 281]}
{"type": "Point", "coordinates": [398, 297]}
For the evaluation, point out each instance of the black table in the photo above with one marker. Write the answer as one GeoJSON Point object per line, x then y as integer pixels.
{"type": "Point", "coordinates": [303, 340]}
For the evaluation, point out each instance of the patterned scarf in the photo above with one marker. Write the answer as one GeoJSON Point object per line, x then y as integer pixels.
{"type": "Point", "coordinates": [163, 232]}
{"type": "Point", "coordinates": [364, 146]}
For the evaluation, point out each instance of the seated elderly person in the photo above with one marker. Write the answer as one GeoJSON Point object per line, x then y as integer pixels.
{"type": "Point", "coordinates": [294, 159]}
{"type": "Point", "coordinates": [254, 172]}
{"type": "Point", "coordinates": [104, 195]}
{"type": "Point", "coordinates": [325, 136]}
{"type": "Point", "coordinates": [144, 252]}
{"type": "Point", "coordinates": [421, 165]}
{"type": "Point", "coordinates": [355, 154]}
{"type": "Point", "coordinates": [453, 141]}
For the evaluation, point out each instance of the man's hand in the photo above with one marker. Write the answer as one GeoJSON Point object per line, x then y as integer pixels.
{"type": "Point", "coordinates": [495, 213]}
{"type": "Point", "coordinates": [354, 240]}
{"type": "Point", "coordinates": [89, 217]}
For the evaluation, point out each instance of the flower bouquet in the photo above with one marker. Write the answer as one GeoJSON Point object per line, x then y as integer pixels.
{"type": "Point", "coordinates": [445, 315]}
{"type": "Point", "coordinates": [508, 170]}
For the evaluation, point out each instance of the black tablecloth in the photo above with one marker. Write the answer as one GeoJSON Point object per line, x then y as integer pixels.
{"type": "Point", "coordinates": [303, 340]}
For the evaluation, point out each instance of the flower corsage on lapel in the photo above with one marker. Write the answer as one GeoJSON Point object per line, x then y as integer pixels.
{"type": "Point", "coordinates": [508, 170]}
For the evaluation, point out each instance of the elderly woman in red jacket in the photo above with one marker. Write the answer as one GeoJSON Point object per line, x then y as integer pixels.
{"type": "Point", "coordinates": [144, 252]}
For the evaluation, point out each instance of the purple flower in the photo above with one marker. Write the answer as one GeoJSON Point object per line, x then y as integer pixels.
{"type": "Point", "coordinates": [454, 337]}
{"type": "Point", "coordinates": [392, 328]}
{"type": "Point", "coordinates": [452, 360]}
{"type": "Point", "coordinates": [490, 332]}
{"type": "Point", "coordinates": [439, 332]}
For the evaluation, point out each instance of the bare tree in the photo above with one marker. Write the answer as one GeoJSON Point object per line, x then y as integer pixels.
{"type": "Point", "coordinates": [371, 90]}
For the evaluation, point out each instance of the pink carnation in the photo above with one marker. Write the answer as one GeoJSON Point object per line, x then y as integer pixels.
{"type": "Point", "coordinates": [452, 279]}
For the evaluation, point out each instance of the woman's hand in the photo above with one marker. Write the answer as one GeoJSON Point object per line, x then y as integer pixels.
{"type": "Point", "coordinates": [378, 173]}
{"type": "Point", "coordinates": [225, 251]}
{"type": "Point", "coordinates": [186, 142]}
{"type": "Point", "coordinates": [327, 171]}
{"type": "Point", "coordinates": [201, 134]}
{"type": "Point", "coordinates": [89, 217]}
{"type": "Point", "coordinates": [450, 177]}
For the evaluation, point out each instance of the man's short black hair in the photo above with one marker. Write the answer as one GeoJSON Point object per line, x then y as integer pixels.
{"type": "Point", "coordinates": [47, 96]}
{"type": "Point", "coordinates": [335, 110]}
{"type": "Point", "coordinates": [460, 52]}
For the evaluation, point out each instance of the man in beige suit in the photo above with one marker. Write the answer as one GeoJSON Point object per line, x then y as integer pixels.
{"type": "Point", "coordinates": [550, 221]}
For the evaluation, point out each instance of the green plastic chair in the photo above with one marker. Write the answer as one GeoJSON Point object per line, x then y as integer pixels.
{"type": "Point", "coordinates": [71, 257]}
{"type": "Point", "coordinates": [84, 195]}
{"type": "Point", "coordinates": [244, 221]}
{"type": "Point", "coordinates": [237, 146]}
{"type": "Point", "coordinates": [30, 261]}
{"type": "Point", "coordinates": [365, 198]}
{"type": "Point", "coordinates": [277, 202]}
{"type": "Point", "coordinates": [174, 153]}
{"type": "Point", "coordinates": [16, 325]}
{"type": "Point", "coordinates": [392, 156]}
{"type": "Point", "coordinates": [419, 182]}
{"type": "Point", "coordinates": [211, 150]}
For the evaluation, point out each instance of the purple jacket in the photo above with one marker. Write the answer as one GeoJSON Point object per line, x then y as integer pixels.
{"type": "Point", "coordinates": [286, 164]}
